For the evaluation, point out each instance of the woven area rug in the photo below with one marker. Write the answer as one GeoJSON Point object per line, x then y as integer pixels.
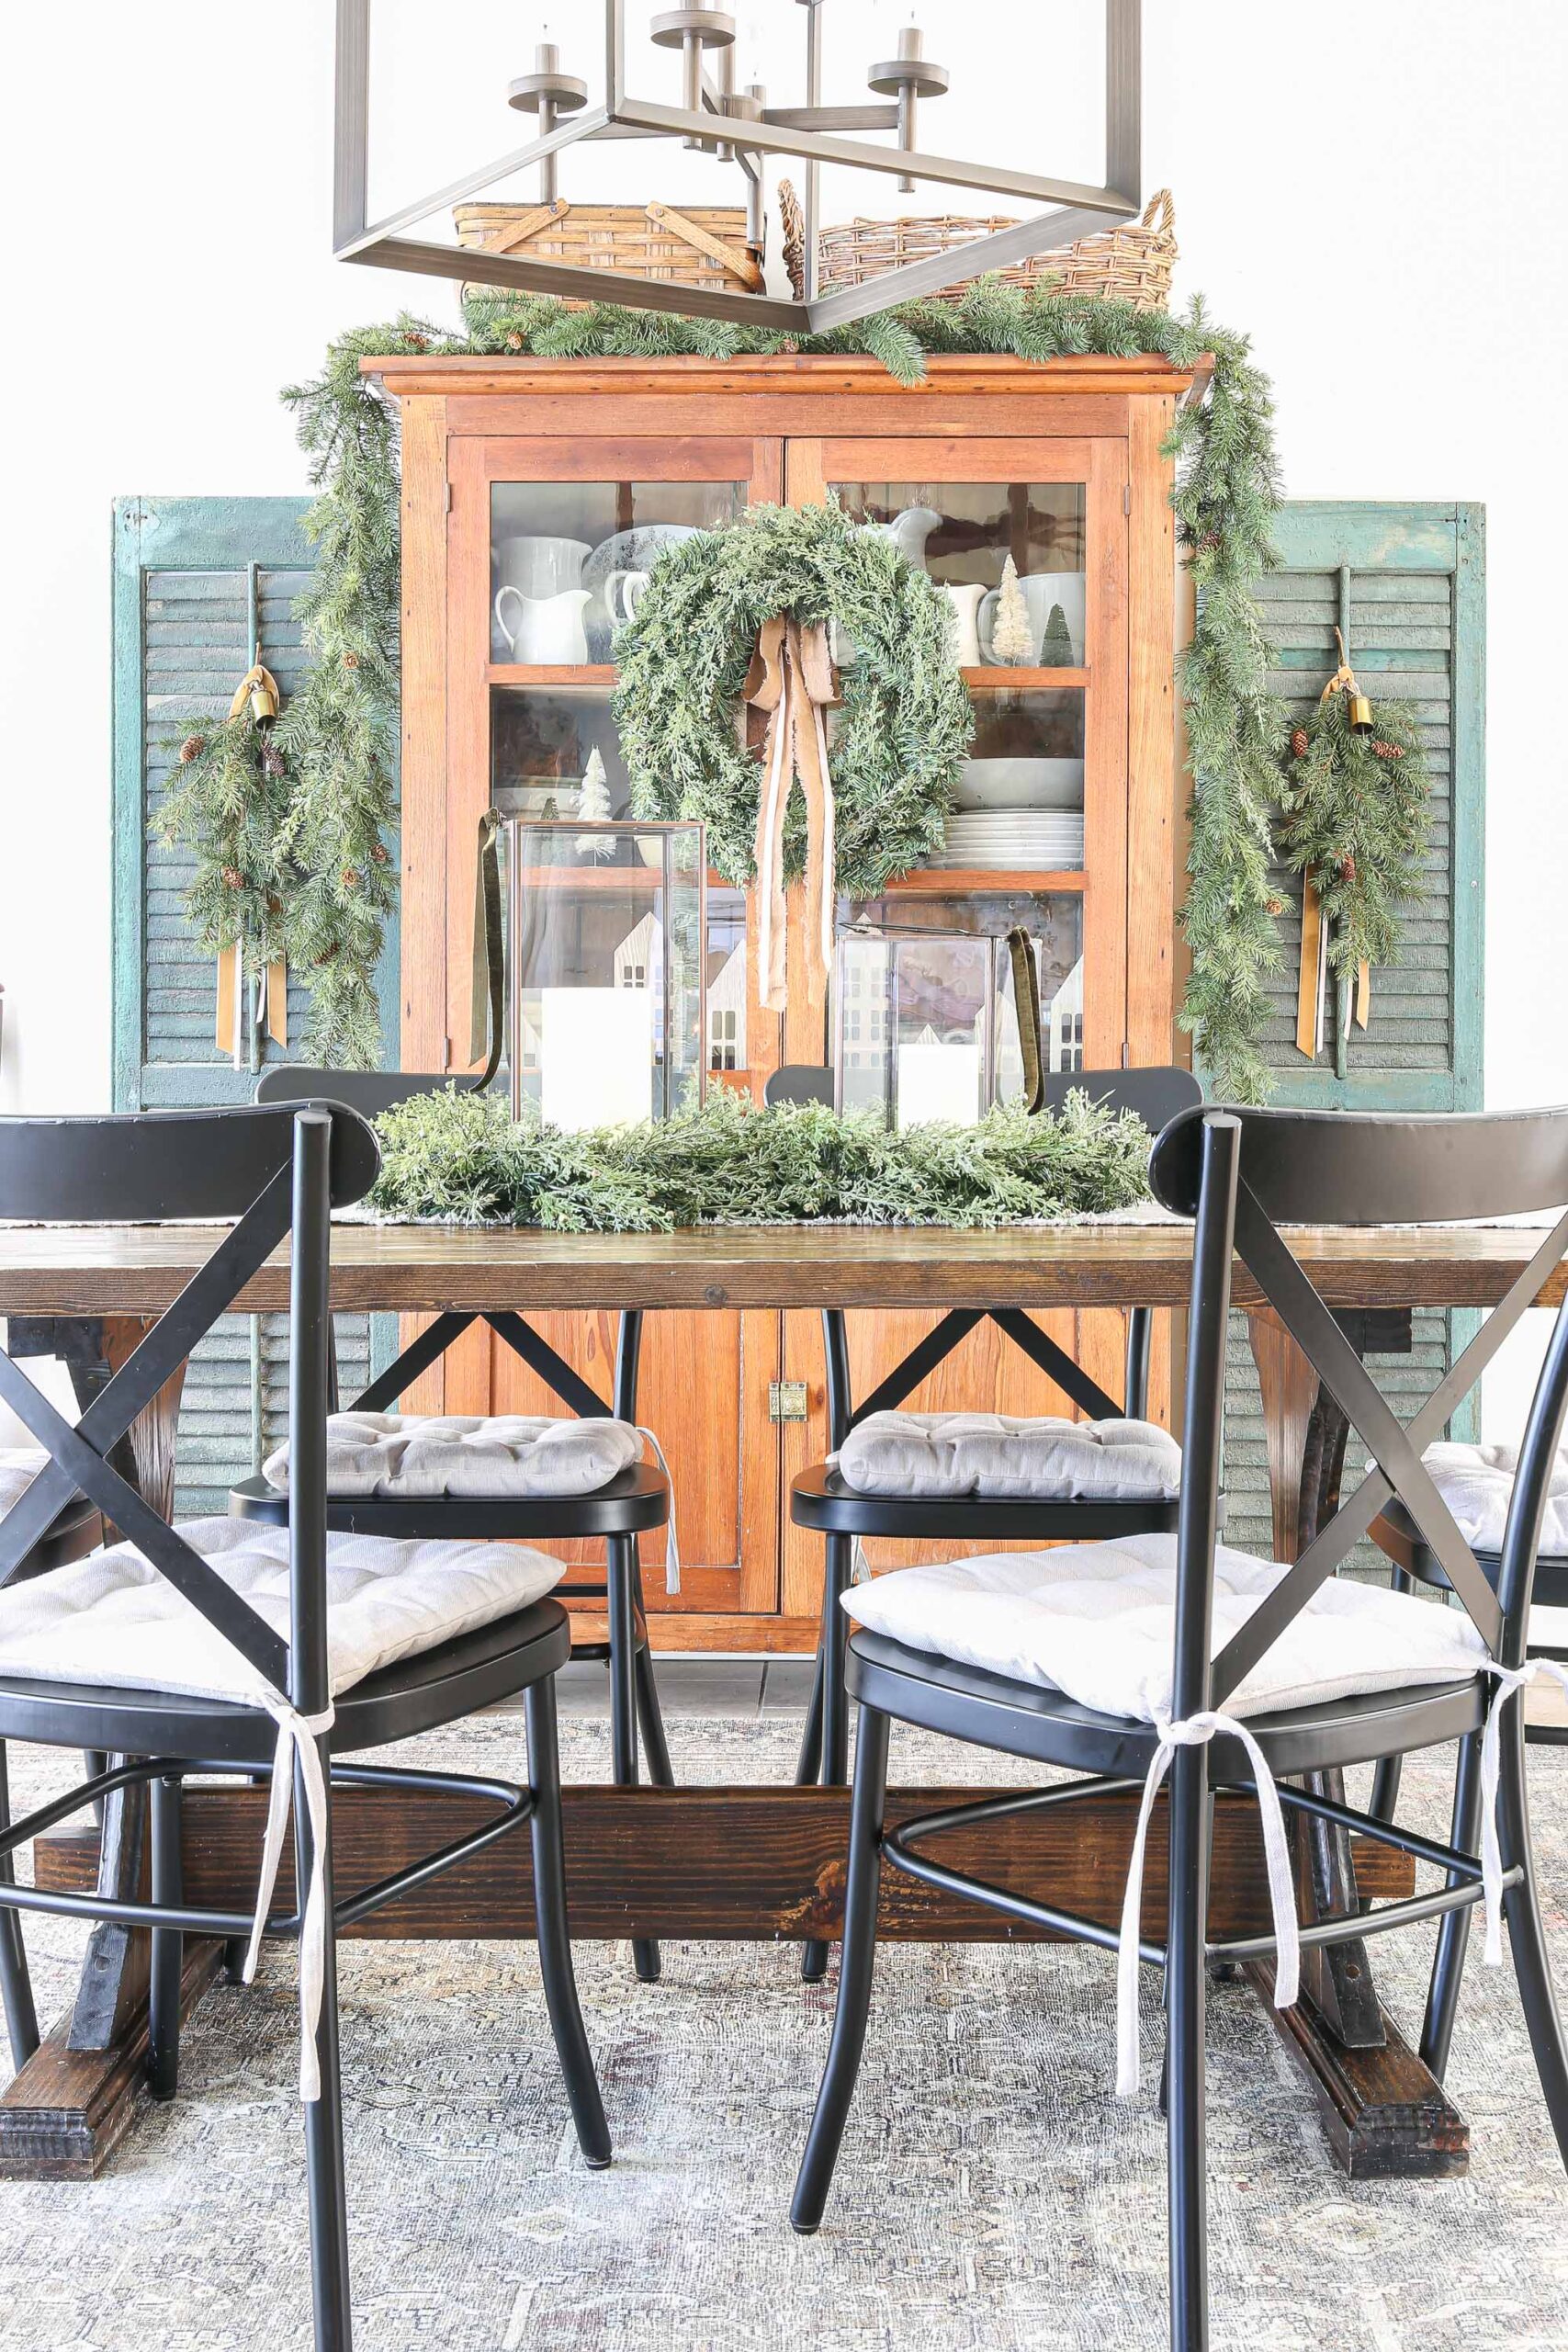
{"type": "Point", "coordinates": [992, 2193]}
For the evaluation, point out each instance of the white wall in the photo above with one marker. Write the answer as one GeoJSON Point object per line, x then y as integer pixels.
{"type": "Point", "coordinates": [1377, 193]}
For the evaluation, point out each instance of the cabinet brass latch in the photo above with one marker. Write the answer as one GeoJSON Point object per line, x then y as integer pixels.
{"type": "Point", "coordinates": [786, 1400]}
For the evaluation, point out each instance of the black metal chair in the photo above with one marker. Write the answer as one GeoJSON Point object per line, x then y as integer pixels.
{"type": "Point", "coordinates": [1241, 1175]}
{"type": "Point", "coordinates": [820, 1498]}
{"type": "Point", "coordinates": [268, 1703]}
{"type": "Point", "coordinates": [639, 1498]}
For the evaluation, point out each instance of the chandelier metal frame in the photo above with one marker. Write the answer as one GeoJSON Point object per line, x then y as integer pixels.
{"type": "Point", "coordinates": [738, 127]}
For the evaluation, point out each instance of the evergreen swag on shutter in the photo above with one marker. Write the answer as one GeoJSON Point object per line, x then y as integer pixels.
{"type": "Point", "coordinates": [1417, 633]}
{"type": "Point", "coordinates": [182, 588]}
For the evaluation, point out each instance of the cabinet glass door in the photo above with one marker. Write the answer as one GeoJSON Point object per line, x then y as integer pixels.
{"type": "Point", "coordinates": [1027, 540]}
{"type": "Point", "coordinates": [549, 544]}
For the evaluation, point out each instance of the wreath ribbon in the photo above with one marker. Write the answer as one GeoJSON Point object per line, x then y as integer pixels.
{"type": "Point", "coordinates": [791, 679]}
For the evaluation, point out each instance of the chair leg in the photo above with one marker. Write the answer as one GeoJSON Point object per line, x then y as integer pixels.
{"type": "Point", "coordinates": [1522, 1908]}
{"type": "Point", "coordinates": [1453, 1933]}
{"type": "Point", "coordinates": [168, 1943]}
{"type": "Point", "coordinates": [16, 1984]}
{"type": "Point", "coordinates": [550, 1914]}
{"type": "Point", "coordinates": [326, 2186]}
{"type": "Point", "coordinates": [621, 1556]}
{"type": "Point", "coordinates": [835, 1709]}
{"type": "Point", "coordinates": [1386, 1777]}
{"type": "Point", "coordinates": [855, 1975]}
{"type": "Point", "coordinates": [809, 1765]}
{"type": "Point", "coordinates": [651, 1719]}
{"type": "Point", "coordinates": [1186, 1988]}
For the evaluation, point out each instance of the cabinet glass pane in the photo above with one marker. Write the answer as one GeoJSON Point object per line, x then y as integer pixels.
{"type": "Point", "coordinates": [726, 1053]}
{"type": "Point", "coordinates": [924, 1015]}
{"type": "Point", "coordinates": [964, 532]}
{"type": "Point", "coordinates": [1019, 803]}
{"type": "Point", "coordinates": [543, 738]}
{"type": "Point", "coordinates": [567, 558]}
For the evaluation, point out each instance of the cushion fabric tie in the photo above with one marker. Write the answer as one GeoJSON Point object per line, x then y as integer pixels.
{"type": "Point", "coordinates": [296, 1737]}
{"type": "Point", "coordinates": [1196, 1731]}
{"type": "Point", "coordinates": [671, 1540]}
{"type": "Point", "coordinates": [1510, 1678]}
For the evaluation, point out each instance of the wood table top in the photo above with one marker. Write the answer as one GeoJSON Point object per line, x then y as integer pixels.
{"type": "Point", "coordinates": [139, 1269]}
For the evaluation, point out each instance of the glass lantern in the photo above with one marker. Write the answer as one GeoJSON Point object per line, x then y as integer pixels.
{"type": "Point", "coordinates": [924, 1020]}
{"type": "Point", "coordinates": [605, 969]}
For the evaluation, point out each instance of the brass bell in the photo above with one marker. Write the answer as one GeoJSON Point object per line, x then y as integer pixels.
{"type": "Point", "coordinates": [1361, 713]}
{"type": "Point", "coordinates": [263, 702]}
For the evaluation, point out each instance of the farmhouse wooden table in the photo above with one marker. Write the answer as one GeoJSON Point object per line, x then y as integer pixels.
{"type": "Point", "coordinates": [745, 1862]}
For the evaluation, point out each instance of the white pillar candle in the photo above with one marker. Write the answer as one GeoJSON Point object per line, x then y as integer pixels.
{"type": "Point", "coordinates": [939, 1081]}
{"type": "Point", "coordinates": [595, 1056]}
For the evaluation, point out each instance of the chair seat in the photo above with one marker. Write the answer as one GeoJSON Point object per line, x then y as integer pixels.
{"type": "Point", "coordinates": [1048, 1727]}
{"type": "Point", "coordinates": [420, 1457]}
{"type": "Point", "coordinates": [105, 1653]}
{"type": "Point", "coordinates": [76, 1529]}
{"type": "Point", "coordinates": [635, 1500]}
{"type": "Point", "coordinates": [1094, 1625]}
{"type": "Point", "coordinates": [820, 1498]}
{"type": "Point", "coordinates": [1477, 1484]}
{"type": "Point", "coordinates": [1549, 1612]}
{"type": "Point", "coordinates": [1008, 1457]}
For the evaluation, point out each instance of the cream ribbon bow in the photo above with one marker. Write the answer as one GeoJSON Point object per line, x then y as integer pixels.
{"type": "Point", "coordinates": [297, 1736]}
{"type": "Point", "coordinates": [791, 678]}
{"type": "Point", "coordinates": [1196, 1731]}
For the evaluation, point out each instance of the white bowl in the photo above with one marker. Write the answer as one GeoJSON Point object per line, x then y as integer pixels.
{"type": "Point", "coordinates": [1020, 783]}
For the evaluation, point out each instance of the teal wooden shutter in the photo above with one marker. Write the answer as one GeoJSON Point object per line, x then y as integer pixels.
{"type": "Point", "coordinates": [1417, 632]}
{"type": "Point", "coordinates": [1415, 576]}
{"type": "Point", "coordinates": [185, 573]}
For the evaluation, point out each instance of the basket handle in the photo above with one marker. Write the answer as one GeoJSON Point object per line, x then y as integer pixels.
{"type": "Point", "coordinates": [1160, 212]}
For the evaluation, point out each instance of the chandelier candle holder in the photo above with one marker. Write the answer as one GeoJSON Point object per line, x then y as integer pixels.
{"type": "Point", "coordinates": [605, 965]}
{"type": "Point", "coordinates": [721, 116]}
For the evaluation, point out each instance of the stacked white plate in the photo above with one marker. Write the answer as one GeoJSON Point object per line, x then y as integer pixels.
{"type": "Point", "coordinates": [1037, 840]}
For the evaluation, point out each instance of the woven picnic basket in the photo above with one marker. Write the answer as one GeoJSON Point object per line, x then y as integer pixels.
{"type": "Point", "coordinates": [1131, 263]}
{"type": "Point", "coordinates": [703, 245]}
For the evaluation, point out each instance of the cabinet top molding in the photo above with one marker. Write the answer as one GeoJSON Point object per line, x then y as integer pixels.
{"type": "Point", "coordinates": [946, 373]}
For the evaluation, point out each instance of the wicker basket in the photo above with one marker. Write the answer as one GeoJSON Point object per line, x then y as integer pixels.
{"type": "Point", "coordinates": [1131, 263]}
{"type": "Point", "coordinates": [704, 246]}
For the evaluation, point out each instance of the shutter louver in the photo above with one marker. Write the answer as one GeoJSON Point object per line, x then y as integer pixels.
{"type": "Point", "coordinates": [181, 634]}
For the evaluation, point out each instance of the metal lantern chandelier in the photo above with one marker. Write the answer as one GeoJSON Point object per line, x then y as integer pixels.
{"type": "Point", "coordinates": [736, 125]}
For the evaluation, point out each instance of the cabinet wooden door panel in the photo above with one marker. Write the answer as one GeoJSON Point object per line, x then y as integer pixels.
{"type": "Point", "coordinates": [984, 1374]}
{"type": "Point", "coordinates": [704, 1393]}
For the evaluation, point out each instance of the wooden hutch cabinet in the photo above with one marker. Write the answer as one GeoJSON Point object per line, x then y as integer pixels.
{"type": "Point", "coordinates": [1062, 467]}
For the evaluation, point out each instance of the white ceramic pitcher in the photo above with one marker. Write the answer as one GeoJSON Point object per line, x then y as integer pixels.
{"type": "Point", "coordinates": [908, 531]}
{"type": "Point", "coordinates": [623, 594]}
{"type": "Point", "coordinates": [549, 630]}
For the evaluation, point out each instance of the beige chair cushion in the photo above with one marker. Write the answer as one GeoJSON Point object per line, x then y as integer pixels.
{"type": "Point", "coordinates": [408, 1456]}
{"type": "Point", "coordinates": [1000, 1454]}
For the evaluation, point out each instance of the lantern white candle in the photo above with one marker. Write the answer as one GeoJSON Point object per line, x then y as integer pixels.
{"type": "Point", "coordinates": [595, 1056]}
{"type": "Point", "coordinates": [939, 1081]}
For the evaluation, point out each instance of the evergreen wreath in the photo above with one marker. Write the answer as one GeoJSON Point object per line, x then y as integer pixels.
{"type": "Point", "coordinates": [1356, 817]}
{"type": "Point", "coordinates": [903, 727]}
{"type": "Point", "coordinates": [1225, 497]}
{"type": "Point", "coordinates": [459, 1157]}
{"type": "Point", "coordinates": [227, 800]}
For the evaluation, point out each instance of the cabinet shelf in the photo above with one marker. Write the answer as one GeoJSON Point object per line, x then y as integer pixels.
{"type": "Point", "coordinates": [985, 681]}
{"type": "Point", "coordinates": [963, 881]}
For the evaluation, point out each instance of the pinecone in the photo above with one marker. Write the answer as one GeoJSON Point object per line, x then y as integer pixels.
{"type": "Point", "coordinates": [351, 660]}
{"type": "Point", "coordinates": [1347, 869]}
{"type": "Point", "coordinates": [233, 879]}
{"type": "Point", "coordinates": [325, 956]}
{"type": "Point", "coordinates": [192, 747]}
{"type": "Point", "coordinates": [1299, 743]}
{"type": "Point", "coordinates": [382, 855]}
{"type": "Point", "coordinates": [1274, 906]}
{"type": "Point", "coordinates": [514, 342]}
{"type": "Point", "coordinates": [272, 758]}
{"type": "Point", "coordinates": [418, 342]}
{"type": "Point", "coordinates": [350, 877]}
{"type": "Point", "coordinates": [1387, 751]}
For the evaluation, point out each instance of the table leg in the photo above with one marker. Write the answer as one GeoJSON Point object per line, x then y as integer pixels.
{"type": "Point", "coordinates": [1383, 2111]}
{"type": "Point", "coordinates": [72, 2102]}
